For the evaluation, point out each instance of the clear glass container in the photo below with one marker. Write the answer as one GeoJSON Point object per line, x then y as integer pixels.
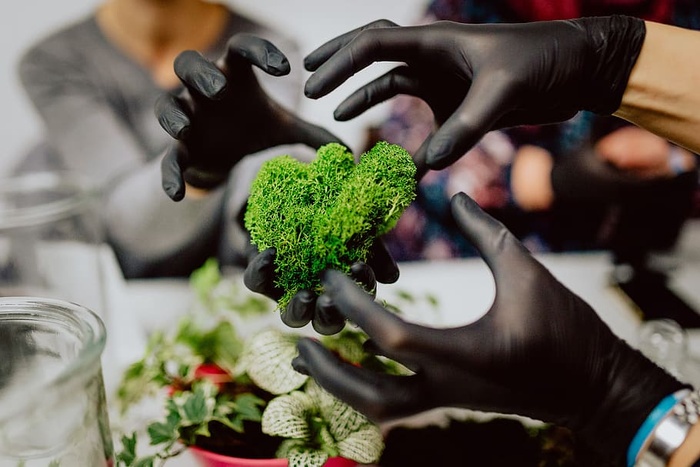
{"type": "Point", "coordinates": [50, 239]}
{"type": "Point", "coordinates": [665, 343]}
{"type": "Point", "coordinates": [52, 398]}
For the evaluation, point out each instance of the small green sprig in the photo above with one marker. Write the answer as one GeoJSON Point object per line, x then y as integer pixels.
{"type": "Point", "coordinates": [207, 374]}
{"type": "Point", "coordinates": [189, 414]}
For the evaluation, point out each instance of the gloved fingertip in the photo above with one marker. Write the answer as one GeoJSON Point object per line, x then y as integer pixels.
{"type": "Point", "coordinates": [310, 90]}
{"type": "Point", "coordinates": [392, 276]}
{"type": "Point", "coordinates": [327, 320]}
{"type": "Point", "coordinates": [300, 309]}
{"type": "Point", "coordinates": [329, 278]}
{"type": "Point", "coordinates": [309, 63]}
{"type": "Point", "coordinates": [277, 63]}
{"type": "Point", "coordinates": [328, 328]}
{"type": "Point", "coordinates": [214, 85]}
{"type": "Point", "coordinates": [339, 114]}
{"type": "Point", "coordinates": [175, 192]}
{"type": "Point", "coordinates": [299, 366]}
{"type": "Point", "coordinates": [362, 273]}
{"type": "Point", "coordinates": [181, 132]}
{"type": "Point", "coordinates": [437, 155]}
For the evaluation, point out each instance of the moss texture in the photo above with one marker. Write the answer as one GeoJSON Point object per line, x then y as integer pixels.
{"type": "Point", "coordinates": [328, 213]}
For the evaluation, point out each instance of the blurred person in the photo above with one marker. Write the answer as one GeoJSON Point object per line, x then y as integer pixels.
{"type": "Point", "coordinates": [95, 83]}
{"type": "Point", "coordinates": [526, 176]}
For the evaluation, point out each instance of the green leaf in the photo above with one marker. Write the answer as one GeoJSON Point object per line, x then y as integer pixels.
{"type": "Point", "coordinates": [128, 453]}
{"type": "Point", "coordinates": [195, 409]}
{"type": "Point", "coordinates": [162, 433]}
{"type": "Point", "coordinates": [268, 361]}
{"type": "Point", "coordinates": [287, 416]}
{"type": "Point", "coordinates": [307, 458]}
{"type": "Point", "coordinates": [203, 430]}
{"type": "Point", "coordinates": [248, 407]}
{"type": "Point", "coordinates": [348, 344]}
{"type": "Point", "coordinates": [145, 462]}
{"type": "Point", "coordinates": [205, 278]}
{"type": "Point", "coordinates": [343, 419]}
{"type": "Point", "coordinates": [364, 446]}
{"type": "Point", "coordinates": [236, 423]}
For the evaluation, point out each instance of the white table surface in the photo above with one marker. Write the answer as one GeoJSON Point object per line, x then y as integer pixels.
{"type": "Point", "coordinates": [464, 289]}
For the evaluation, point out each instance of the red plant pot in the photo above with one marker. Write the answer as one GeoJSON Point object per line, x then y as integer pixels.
{"type": "Point", "coordinates": [210, 459]}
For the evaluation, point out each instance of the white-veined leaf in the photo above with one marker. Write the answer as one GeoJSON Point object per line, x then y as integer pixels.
{"type": "Point", "coordinates": [364, 446]}
{"type": "Point", "coordinates": [268, 361]}
{"type": "Point", "coordinates": [307, 458]}
{"type": "Point", "coordinates": [286, 416]}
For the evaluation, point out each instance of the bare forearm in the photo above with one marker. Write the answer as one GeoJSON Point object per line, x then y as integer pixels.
{"type": "Point", "coordinates": [663, 92]}
{"type": "Point", "coordinates": [689, 451]}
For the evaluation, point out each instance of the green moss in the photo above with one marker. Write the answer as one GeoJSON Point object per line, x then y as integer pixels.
{"type": "Point", "coordinates": [328, 213]}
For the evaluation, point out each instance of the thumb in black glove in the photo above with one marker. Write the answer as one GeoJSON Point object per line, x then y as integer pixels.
{"type": "Point", "coordinates": [223, 115]}
{"type": "Point", "coordinates": [482, 77]}
{"type": "Point", "coordinates": [540, 351]}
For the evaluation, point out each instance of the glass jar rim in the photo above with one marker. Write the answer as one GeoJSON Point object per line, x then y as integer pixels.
{"type": "Point", "coordinates": [85, 323]}
{"type": "Point", "coordinates": [73, 193]}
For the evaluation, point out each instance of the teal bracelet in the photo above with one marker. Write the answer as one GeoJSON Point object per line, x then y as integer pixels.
{"type": "Point", "coordinates": [659, 412]}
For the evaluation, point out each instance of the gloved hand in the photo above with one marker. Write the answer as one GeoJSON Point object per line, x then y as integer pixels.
{"type": "Point", "coordinates": [482, 77]}
{"type": "Point", "coordinates": [223, 115]}
{"type": "Point", "coordinates": [539, 351]}
{"type": "Point", "coordinates": [306, 306]}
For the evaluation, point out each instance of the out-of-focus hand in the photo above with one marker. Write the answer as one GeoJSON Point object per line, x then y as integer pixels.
{"type": "Point", "coordinates": [642, 154]}
{"type": "Point", "coordinates": [539, 351]}
{"type": "Point", "coordinates": [223, 115]}
{"type": "Point", "coordinates": [482, 77]}
{"type": "Point", "coordinates": [306, 306]}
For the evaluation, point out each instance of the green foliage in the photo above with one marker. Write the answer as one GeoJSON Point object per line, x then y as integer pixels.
{"type": "Point", "coordinates": [327, 214]}
{"type": "Point", "coordinates": [317, 426]}
{"type": "Point", "coordinates": [348, 344]}
{"type": "Point", "coordinates": [182, 365]}
{"type": "Point", "coordinates": [220, 297]}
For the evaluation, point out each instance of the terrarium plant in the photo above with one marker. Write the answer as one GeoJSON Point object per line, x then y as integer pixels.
{"type": "Point", "coordinates": [329, 212]}
{"type": "Point", "coordinates": [240, 396]}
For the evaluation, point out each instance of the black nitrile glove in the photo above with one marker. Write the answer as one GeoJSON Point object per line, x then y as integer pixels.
{"type": "Point", "coordinates": [223, 115]}
{"type": "Point", "coordinates": [482, 77]}
{"type": "Point", "coordinates": [539, 351]}
{"type": "Point", "coordinates": [306, 306]}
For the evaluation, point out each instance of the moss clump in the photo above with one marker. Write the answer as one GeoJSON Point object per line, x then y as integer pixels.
{"type": "Point", "coordinates": [328, 213]}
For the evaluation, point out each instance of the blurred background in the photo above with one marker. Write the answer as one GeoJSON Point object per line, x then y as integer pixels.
{"type": "Point", "coordinates": [310, 21]}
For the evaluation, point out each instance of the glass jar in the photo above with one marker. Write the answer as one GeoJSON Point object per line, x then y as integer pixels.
{"type": "Point", "coordinates": [50, 239]}
{"type": "Point", "coordinates": [665, 342]}
{"type": "Point", "coordinates": [52, 398]}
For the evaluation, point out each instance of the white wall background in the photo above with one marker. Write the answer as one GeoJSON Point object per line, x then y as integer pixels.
{"type": "Point", "coordinates": [311, 21]}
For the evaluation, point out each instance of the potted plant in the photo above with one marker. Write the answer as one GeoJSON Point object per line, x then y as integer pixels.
{"type": "Point", "coordinates": [236, 401]}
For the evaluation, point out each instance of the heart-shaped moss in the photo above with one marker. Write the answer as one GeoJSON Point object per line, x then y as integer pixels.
{"type": "Point", "coordinates": [328, 213]}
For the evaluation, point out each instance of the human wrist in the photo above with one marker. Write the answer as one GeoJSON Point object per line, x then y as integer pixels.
{"type": "Point", "coordinates": [658, 97]}
{"type": "Point", "coordinates": [647, 432]}
{"type": "Point", "coordinates": [634, 386]}
{"type": "Point", "coordinates": [688, 454]}
{"type": "Point", "coordinates": [194, 192]}
{"type": "Point", "coordinates": [671, 438]}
